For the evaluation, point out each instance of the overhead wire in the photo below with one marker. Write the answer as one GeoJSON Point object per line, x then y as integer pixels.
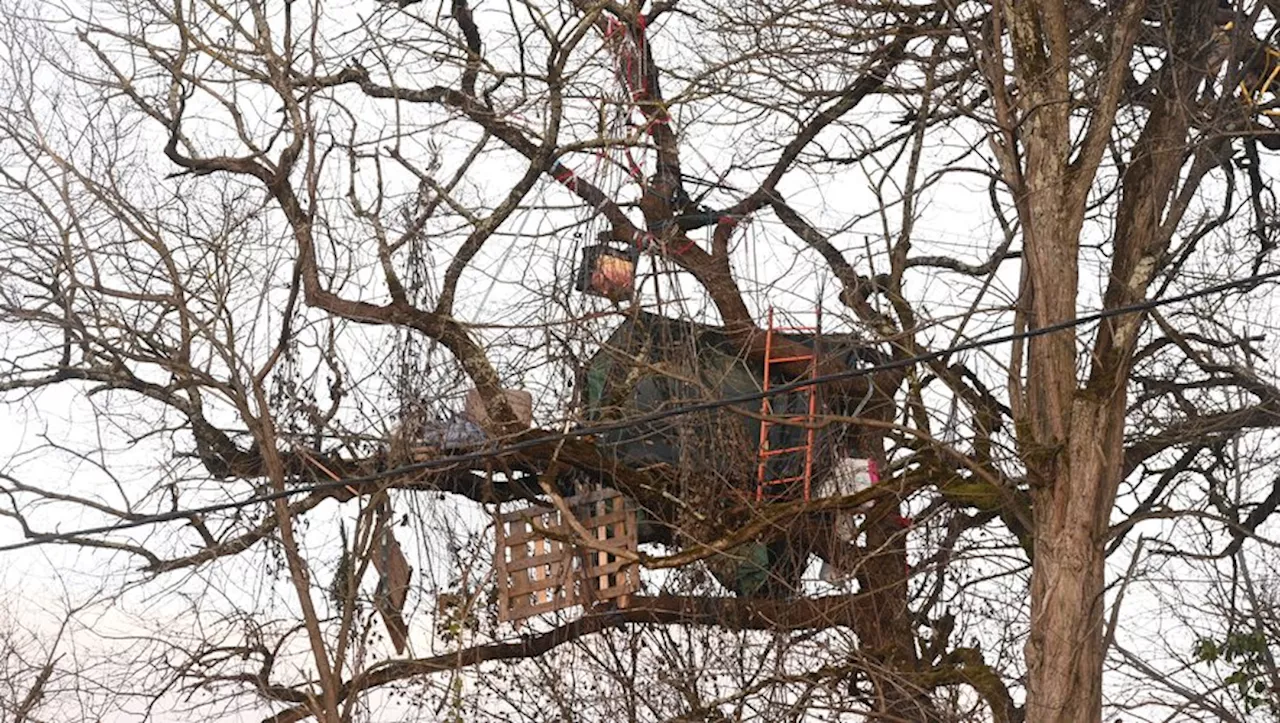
{"type": "Point", "coordinates": [460, 460]}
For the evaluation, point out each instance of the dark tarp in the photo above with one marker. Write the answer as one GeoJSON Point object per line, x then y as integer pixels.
{"type": "Point", "coordinates": [652, 363]}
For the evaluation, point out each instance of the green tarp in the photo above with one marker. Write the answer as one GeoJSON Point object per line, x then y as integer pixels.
{"type": "Point", "coordinates": [652, 363]}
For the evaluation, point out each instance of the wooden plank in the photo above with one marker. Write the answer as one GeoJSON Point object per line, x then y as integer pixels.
{"type": "Point", "coordinates": [500, 553]}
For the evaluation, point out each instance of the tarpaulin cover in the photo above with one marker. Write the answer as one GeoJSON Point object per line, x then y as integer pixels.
{"type": "Point", "coordinates": [653, 363]}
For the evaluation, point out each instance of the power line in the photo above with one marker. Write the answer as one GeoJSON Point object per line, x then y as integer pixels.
{"type": "Point", "coordinates": [460, 460]}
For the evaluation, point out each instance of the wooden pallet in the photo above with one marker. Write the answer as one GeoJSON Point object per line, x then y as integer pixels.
{"type": "Point", "coordinates": [540, 570]}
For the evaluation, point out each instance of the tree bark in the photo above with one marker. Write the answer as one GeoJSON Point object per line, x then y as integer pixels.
{"type": "Point", "coordinates": [1065, 652]}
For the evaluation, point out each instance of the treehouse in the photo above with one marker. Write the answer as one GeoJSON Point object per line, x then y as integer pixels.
{"type": "Point", "coordinates": [651, 365]}
{"type": "Point", "coordinates": [719, 466]}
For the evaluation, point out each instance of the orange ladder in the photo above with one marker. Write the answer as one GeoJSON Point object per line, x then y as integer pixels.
{"type": "Point", "coordinates": [767, 460]}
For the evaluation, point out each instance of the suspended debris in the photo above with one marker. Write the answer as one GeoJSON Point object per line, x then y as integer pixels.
{"type": "Point", "coordinates": [460, 432]}
{"type": "Point", "coordinates": [541, 567]}
{"type": "Point", "coordinates": [520, 401]}
{"type": "Point", "coordinates": [394, 574]}
{"type": "Point", "coordinates": [760, 569]}
{"type": "Point", "coordinates": [848, 476]}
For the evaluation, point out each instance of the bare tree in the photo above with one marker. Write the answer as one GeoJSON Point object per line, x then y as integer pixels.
{"type": "Point", "coordinates": [269, 245]}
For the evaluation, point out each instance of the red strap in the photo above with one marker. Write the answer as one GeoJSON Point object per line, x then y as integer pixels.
{"type": "Point", "coordinates": [899, 520]}
{"type": "Point", "coordinates": [564, 175]}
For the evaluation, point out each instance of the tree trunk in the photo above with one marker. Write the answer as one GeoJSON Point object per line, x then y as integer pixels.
{"type": "Point", "coordinates": [1071, 436]}
{"type": "Point", "coordinates": [1065, 652]}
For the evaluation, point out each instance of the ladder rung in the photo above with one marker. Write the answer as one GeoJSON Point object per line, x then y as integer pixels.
{"type": "Point", "coordinates": [789, 329]}
{"type": "Point", "coordinates": [788, 450]}
{"type": "Point", "coordinates": [791, 420]}
{"type": "Point", "coordinates": [784, 480]}
{"type": "Point", "coordinates": [770, 418]}
{"type": "Point", "coordinates": [785, 359]}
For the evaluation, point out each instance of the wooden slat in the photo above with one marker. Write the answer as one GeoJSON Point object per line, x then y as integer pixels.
{"type": "Point", "coordinates": [607, 518]}
{"type": "Point", "coordinates": [524, 563]}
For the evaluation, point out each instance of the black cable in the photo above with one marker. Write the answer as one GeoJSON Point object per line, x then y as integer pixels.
{"type": "Point", "coordinates": [458, 460]}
